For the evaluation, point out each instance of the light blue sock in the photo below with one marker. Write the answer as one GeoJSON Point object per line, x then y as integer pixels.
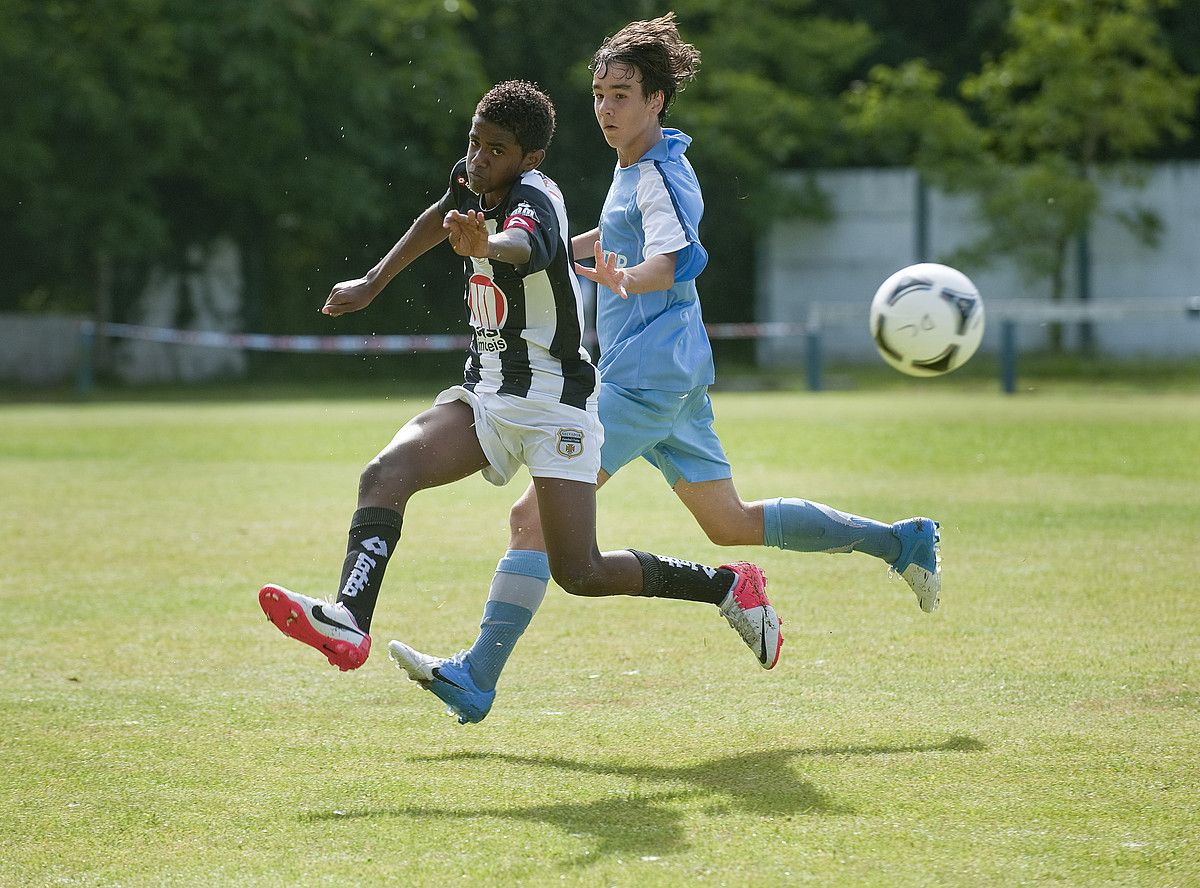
{"type": "Point", "coordinates": [518, 588]}
{"type": "Point", "coordinates": [803, 526]}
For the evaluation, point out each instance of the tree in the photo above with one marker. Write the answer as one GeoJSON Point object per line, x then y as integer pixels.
{"type": "Point", "coordinates": [1083, 84]}
{"type": "Point", "coordinates": [304, 130]}
{"type": "Point", "coordinates": [782, 60]}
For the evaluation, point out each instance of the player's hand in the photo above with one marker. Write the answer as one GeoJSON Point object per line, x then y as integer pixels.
{"type": "Point", "coordinates": [606, 273]}
{"type": "Point", "coordinates": [468, 233]}
{"type": "Point", "coordinates": [349, 296]}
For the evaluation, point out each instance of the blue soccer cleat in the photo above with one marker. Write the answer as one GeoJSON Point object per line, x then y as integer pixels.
{"type": "Point", "coordinates": [919, 563]}
{"type": "Point", "coordinates": [448, 678]}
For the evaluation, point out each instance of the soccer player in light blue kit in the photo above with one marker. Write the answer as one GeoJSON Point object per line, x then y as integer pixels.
{"type": "Point", "coordinates": [656, 363]}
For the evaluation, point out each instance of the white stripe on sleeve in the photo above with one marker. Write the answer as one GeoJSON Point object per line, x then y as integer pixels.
{"type": "Point", "coordinates": [660, 222]}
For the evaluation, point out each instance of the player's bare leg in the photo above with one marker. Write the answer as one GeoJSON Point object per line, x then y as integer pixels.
{"type": "Point", "coordinates": [466, 682]}
{"type": "Point", "coordinates": [568, 520]}
{"type": "Point", "coordinates": [437, 447]}
{"type": "Point", "coordinates": [725, 518]}
{"type": "Point", "coordinates": [563, 519]}
{"type": "Point", "coordinates": [739, 589]}
{"type": "Point", "coordinates": [525, 521]}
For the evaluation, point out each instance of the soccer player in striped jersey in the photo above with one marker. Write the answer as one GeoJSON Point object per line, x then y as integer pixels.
{"type": "Point", "coordinates": [529, 397]}
{"type": "Point", "coordinates": [655, 359]}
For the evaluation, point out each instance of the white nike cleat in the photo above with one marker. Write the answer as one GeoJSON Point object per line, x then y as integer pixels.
{"type": "Point", "coordinates": [329, 628]}
{"type": "Point", "coordinates": [748, 611]}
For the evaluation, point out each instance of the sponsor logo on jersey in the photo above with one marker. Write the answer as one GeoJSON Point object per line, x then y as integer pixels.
{"type": "Point", "coordinates": [524, 209]}
{"type": "Point", "coordinates": [489, 342]}
{"type": "Point", "coordinates": [523, 216]}
{"type": "Point", "coordinates": [570, 442]}
{"type": "Point", "coordinates": [621, 262]}
{"type": "Point", "coordinates": [550, 184]}
{"type": "Point", "coordinates": [489, 309]}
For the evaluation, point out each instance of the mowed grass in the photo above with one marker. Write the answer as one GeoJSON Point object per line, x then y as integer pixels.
{"type": "Point", "coordinates": [1042, 728]}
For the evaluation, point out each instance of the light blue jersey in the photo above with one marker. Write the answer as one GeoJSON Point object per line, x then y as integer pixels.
{"type": "Point", "coordinates": [655, 340]}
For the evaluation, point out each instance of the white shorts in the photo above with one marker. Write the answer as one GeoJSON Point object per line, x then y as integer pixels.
{"type": "Point", "coordinates": [553, 440]}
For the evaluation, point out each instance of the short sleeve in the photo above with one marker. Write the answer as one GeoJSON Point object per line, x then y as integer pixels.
{"type": "Point", "coordinates": [667, 225]}
{"type": "Point", "coordinates": [533, 213]}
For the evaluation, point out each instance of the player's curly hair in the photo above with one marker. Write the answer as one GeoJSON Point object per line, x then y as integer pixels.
{"type": "Point", "coordinates": [655, 49]}
{"type": "Point", "coordinates": [521, 108]}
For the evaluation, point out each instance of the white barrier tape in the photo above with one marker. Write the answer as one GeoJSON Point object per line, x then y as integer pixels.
{"type": "Point", "coordinates": [1024, 311]}
{"type": "Point", "coordinates": [388, 344]}
{"type": "Point", "coordinates": [434, 342]}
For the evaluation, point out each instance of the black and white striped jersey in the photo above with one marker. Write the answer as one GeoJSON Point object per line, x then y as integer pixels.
{"type": "Point", "coordinates": [527, 320]}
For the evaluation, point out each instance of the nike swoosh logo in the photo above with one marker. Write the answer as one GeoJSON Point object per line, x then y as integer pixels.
{"type": "Point", "coordinates": [765, 656]}
{"type": "Point", "coordinates": [320, 615]}
{"type": "Point", "coordinates": [437, 673]}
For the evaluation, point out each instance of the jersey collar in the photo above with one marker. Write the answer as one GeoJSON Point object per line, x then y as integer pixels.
{"type": "Point", "coordinates": [670, 147]}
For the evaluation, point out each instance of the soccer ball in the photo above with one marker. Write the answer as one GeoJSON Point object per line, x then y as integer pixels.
{"type": "Point", "coordinates": [927, 319]}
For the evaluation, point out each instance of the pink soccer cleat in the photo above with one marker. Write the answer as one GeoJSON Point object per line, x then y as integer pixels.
{"type": "Point", "coordinates": [750, 613]}
{"type": "Point", "coordinates": [329, 628]}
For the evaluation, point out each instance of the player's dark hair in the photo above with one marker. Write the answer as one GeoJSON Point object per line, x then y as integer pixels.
{"type": "Point", "coordinates": [657, 52]}
{"type": "Point", "coordinates": [521, 108]}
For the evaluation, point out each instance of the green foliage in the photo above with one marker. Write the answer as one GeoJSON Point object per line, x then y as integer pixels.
{"type": "Point", "coordinates": [901, 114]}
{"type": "Point", "coordinates": [292, 125]}
{"type": "Point", "coordinates": [313, 132]}
{"type": "Point", "coordinates": [765, 98]}
{"type": "Point", "coordinates": [1081, 83]}
{"type": "Point", "coordinates": [1093, 81]}
{"type": "Point", "coordinates": [783, 59]}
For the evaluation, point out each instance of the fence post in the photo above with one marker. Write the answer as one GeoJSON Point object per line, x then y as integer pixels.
{"type": "Point", "coordinates": [85, 372]}
{"type": "Point", "coordinates": [812, 336]}
{"type": "Point", "coordinates": [814, 360]}
{"type": "Point", "coordinates": [1008, 356]}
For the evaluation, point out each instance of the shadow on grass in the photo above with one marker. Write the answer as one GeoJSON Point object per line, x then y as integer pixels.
{"type": "Point", "coordinates": [651, 824]}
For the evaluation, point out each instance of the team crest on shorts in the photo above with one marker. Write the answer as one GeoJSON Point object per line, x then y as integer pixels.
{"type": "Point", "coordinates": [570, 442]}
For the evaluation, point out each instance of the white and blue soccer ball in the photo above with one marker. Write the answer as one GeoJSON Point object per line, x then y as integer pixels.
{"type": "Point", "coordinates": [927, 319]}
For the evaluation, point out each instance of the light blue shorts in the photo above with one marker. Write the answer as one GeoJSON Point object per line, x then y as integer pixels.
{"type": "Point", "coordinates": [673, 431]}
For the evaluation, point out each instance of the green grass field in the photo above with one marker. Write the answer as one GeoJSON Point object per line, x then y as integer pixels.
{"type": "Point", "coordinates": [1042, 728]}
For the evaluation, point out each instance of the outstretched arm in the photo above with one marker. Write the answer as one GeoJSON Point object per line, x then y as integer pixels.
{"type": "Point", "coordinates": [654, 274]}
{"type": "Point", "coordinates": [469, 237]}
{"type": "Point", "coordinates": [423, 235]}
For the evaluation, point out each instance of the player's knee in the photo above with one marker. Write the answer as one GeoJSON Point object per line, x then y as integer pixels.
{"type": "Point", "coordinates": [371, 479]}
{"type": "Point", "coordinates": [383, 479]}
{"type": "Point", "coordinates": [724, 535]}
{"type": "Point", "coordinates": [524, 524]}
{"type": "Point", "coordinates": [576, 576]}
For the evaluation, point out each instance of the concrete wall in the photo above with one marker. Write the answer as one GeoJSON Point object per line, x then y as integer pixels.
{"type": "Point", "coordinates": [210, 294]}
{"type": "Point", "coordinates": [874, 232]}
{"type": "Point", "coordinates": [38, 349]}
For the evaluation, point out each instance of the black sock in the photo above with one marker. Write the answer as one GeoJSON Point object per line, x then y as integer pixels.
{"type": "Point", "coordinates": [374, 533]}
{"type": "Point", "coordinates": [666, 577]}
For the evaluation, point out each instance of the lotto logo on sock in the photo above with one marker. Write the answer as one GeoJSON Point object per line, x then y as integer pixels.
{"type": "Point", "coordinates": [357, 581]}
{"type": "Point", "coordinates": [710, 572]}
{"type": "Point", "coordinates": [376, 545]}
